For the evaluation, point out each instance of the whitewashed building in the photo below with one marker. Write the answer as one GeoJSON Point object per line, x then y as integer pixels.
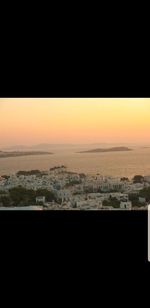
{"type": "Point", "coordinates": [142, 200]}
{"type": "Point", "coordinates": [126, 205]}
{"type": "Point", "coordinates": [40, 199]}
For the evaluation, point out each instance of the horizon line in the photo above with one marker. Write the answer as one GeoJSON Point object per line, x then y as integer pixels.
{"type": "Point", "coordinates": [75, 143]}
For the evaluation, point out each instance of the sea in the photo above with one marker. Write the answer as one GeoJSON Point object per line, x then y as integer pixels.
{"type": "Point", "coordinates": [117, 164]}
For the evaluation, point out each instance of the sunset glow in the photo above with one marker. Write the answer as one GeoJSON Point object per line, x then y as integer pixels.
{"type": "Point", "coordinates": [74, 120]}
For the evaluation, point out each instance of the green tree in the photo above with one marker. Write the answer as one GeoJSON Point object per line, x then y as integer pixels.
{"type": "Point", "coordinates": [138, 179]}
{"type": "Point", "coordinates": [124, 179]}
{"type": "Point", "coordinates": [49, 195]}
{"type": "Point", "coordinates": [145, 192]}
{"type": "Point", "coordinates": [5, 200]}
{"type": "Point", "coordinates": [112, 202]}
{"type": "Point", "coordinates": [31, 172]}
{"type": "Point", "coordinates": [22, 196]}
{"type": "Point", "coordinates": [135, 200]}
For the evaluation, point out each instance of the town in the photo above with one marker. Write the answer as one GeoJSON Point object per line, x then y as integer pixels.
{"type": "Point", "coordinates": [60, 189]}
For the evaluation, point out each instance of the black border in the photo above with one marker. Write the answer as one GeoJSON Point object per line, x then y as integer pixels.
{"type": "Point", "coordinates": [118, 238]}
{"type": "Point", "coordinates": [74, 77]}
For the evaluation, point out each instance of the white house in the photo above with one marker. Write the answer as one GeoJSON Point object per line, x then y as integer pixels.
{"type": "Point", "coordinates": [64, 194]}
{"type": "Point", "coordinates": [126, 205]}
{"type": "Point", "coordinates": [90, 203]}
{"type": "Point", "coordinates": [40, 199]}
{"type": "Point", "coordinates": [142, 199]}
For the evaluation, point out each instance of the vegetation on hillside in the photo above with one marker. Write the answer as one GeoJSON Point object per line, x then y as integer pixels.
{"type": "Point", "coordinates": [30, 172]}
{"type": "Point", "coordinates": [112, 202]}
{"type": "Point", "coordinates": [57, 167]}
{"type": "Point", "coordinates": [145, 192]}
{"type": "Point", "coordinates": [20, 196]}
{"type": "Point", "coordinates": [124, 179]}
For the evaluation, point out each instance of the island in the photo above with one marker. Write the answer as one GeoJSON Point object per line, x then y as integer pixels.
{"type": "Point", "coordinates": [100, 150]}
{"type": "Point", "coordinates": [4, 154]}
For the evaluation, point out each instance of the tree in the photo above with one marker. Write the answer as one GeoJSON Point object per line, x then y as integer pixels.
{"type": "Point", "coordinates": [22, 196]}
{"type": "Point", "coordinates": [49, 195]}
{"type": "Point", "coordinates": [112, 202]}
{"type": "Point", "coordinates": [145, 192]}
{"type": "Point", "coordinates": [5, 200]}
{"type": "Point", "coordinates": [74, 206]}
{"type": "Point", "coordinates": [124, 179]}
{"type": "Point", "coordinates": [31, 172]}
{"type": "Point", "coordinates": [106, 203]}
{"type": "Point", "coordinates": [82, 175]}
{"type": "Point", "coordinates": [135, 200]}
{"type": "Point", "coordinates": [6, 177]}
{"type": "Point", "coordinates": [138, 179]}
{"type": "Point", "coordinates": [3, 192]}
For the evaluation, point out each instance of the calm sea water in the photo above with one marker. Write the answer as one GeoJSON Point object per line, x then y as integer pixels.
{"type": "Point", "coordinates": [111, 163]}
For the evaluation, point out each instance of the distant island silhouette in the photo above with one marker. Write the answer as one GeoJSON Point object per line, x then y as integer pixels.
{"type": "Point", "coordinates": [100, 150]}
{"type": "Point", "coordinates": [21, 153]}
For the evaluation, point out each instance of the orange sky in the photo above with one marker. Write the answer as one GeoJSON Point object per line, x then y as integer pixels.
{"type": "Point", "coordinates": [74, 120]}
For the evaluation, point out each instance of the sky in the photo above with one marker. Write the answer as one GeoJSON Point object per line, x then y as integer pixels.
{"type": "Point", "coordinates": [27, 121]}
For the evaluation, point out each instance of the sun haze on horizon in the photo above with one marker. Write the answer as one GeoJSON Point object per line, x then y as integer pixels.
{"type": "Point", "coordinates": [74, 120]}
